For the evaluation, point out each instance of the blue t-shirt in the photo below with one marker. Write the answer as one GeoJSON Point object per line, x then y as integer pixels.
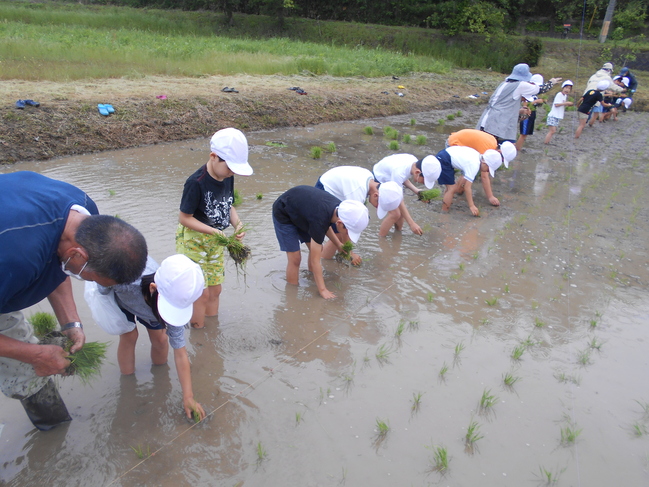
{"type": "Point", "coordinates": [34, 212]}
{"type": "Point", "coordinates": [207, 199]}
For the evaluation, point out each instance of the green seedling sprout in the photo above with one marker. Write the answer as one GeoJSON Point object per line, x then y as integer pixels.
{"type": "Point", "coordinates": [316, 152]}
{"type": "Point", "coordinates": [548, 476]}
{"type": "Point", "coordinates": [394, 145]}
{"type": "Point", "coordinates": [492, 301]}
{"type": "Point", "coordinates": [450, 116]}
{"type": "Point", "coordinates": [86, 363]}
{"type": "Point", "coordinates": [443, 371]}
{"type": "Point", "coordinates": [475, 255]}
{"type": "Point", "coordinates": [506, 289]}
{"type": "Point", "coordinates": [510, 379]}
{"type": "Point", "coordinates": [428, 195]}
{"type": "Point", "coordinates": [458, 349]}
{"type": "Point", "coordinates": [111, 192]}
{"type": "Point", "coordinates": [458, 113]}
{"type": "Point", "coordinates": [196, 417]}
{"type": "Point", "coordinates": [413, 122]}
{"type": "Point", "coordinates": [430, 297]}
{"type": "Point", "coordinates": [472, 436]}
{"type": "Point", "coordinates": [261, 452]}
{"type": "Point", "coordinates": [569, 435]}
{"type": "Point", "coordinates": [406, 139]}
{"type": "Point", "coordinates": [639, 429]}
{"type": "Point", "coordinates": [401, 327]}
{"type": "Point", "coordinates": [583, 357]}
{"type": "Point", "coordinates": [538, 323]}
{"type": "Point", "coordinates": [518, 352]}
{"type": "Point", "coordinates": [43, 323]}
{"type": "Point", "coordinates": [595, 344]}
{"type": "Point", "coordinates": [440, 458]}
{"type": "Point", "coordinates": [141, 452]}
{"type": "Point", "coordinates": [368, 130]}
{"type": "Point", "coordinates": [441, 121]}
{"type": "Point", "coordinates": [383, 354]}
{"type": "Point", "coordinates": [416, 401]}
{"type": "Point", "coordinates": [238, 199]}
{"type": "Point", "coordinates": [259, 196]}
{"type": "Point", "coordinates": [331, 147]}
{"type": "Point", "coordinates": [281, 145]}
{"type": "Point", "coordinates": [487, 401]}
{"type": "Point", "coordinates": [298, 418]}
{"type": "Point", "coordinates": [421, 140]}
{"type": "Point", "coordinates": [382, 427]}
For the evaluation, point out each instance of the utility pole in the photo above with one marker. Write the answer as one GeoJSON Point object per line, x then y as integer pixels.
{"type": "Point", "coordinates": [607, 21]}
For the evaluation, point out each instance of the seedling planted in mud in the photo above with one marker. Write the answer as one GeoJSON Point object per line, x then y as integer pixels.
{"type": "Point", "coordinates": [583, 357]}
{"type": "Point", "coordinates": [458, 349]}
{"type": "Point", "coordinates": [440, 458]}
{"type": "Point", "coordinates": [406, 139]}
{"type": "Point", "coordinates": [487, 401]}
{"type": "Point", "coordinates": [472, 435]}
{"type": "Point", "coordinates": [639, 429]}
{"type": "Point", "coordinates": [298, 418]}
{"type": "Point", "coordinates": [506, 289]}
{"type": "Point", "coordinates": [450, 116]}
{"type": "Point", "coordinates": [563, 377]}
{"type": "Point", "coordinates": [443, 371]}
{"type": "Point", "coordinates": [416, 401]}
{"type": "Point", "coordinates": [548, 476]}
{"type": "Point", "coordinates": [421, 140]}
{"type": "Point", "coordinates": [382, 428]}
{"type": "Point", "coordinates": [492, 301]}
{"type": "Point", "coordinates": [458, 113]}
{"type": "Point", "coordinates": [394, 145]}
{"type": "Point", "coordinates": [141, 452]}
{"type": "Point", "coordinates": [262, 454]}
{"type": "Point", "coordinates": [518, 352]}
{"type": "Point", "coordinates": [441, 121]}
{"type": "Point", "coordinates": [259, 196]}
{"type": "Point", "coordinates": [645, 407]}
{"type": "Point", "coordinates": [316, 152]}
{"type": "Point", "coordinates": [383, 354]}
{"type": "Point", "coordinates": [538, 323]}
{"type": "Point", "coordinates": [368, 130]}
{"type": "Point", "coordinates": [331, 147]}
{"type": "Point", "coordinates": [413, 121]}
{"type": "Point", "coordinates": [111, 192]}
{"type": "Point", "coordinates": [594, 344]}
{"type": "Point", "coordinates": [569, 435]}
{"type": "Point", "coordinates": [430, 297]}
{"type": "Point", "coordinates": [510, 379]}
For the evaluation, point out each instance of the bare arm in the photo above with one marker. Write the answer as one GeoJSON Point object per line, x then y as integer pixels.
{"type": "Point", "coordinates": [192, 223]}
{"type": "Point", "coordinates": [46, 359]}
{"type": "Point", "coordinates": [356, 259]}
{"type": "Point", "coordinates": [185, 378]}
{"type": "Point", "coordinates": [235, 221]}
{"type": "Point", "coordinates": [469, 198]}
{"type": "Point", "coordinates": [411, 223]}
{"type": "Point", "coordinates": [315, 251]}
{"type": "Point", "coordinates": [408, 184]}
{"type": "Point", "coordinates": [486, 185]}
{"type": "Point", "coordinates": [62, 301]}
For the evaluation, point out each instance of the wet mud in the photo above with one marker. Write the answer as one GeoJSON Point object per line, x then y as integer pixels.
{"type": "Point", "coordinates": [551, 289]}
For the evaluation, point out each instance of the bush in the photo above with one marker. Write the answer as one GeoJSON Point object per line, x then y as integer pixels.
{"type": "Point", "coordinates": [533, 51]}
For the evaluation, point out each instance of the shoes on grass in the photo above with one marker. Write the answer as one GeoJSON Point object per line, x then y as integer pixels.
{"type": "Point", "coordinates": [300, 91]}
{"type": "Point", "coordinates": [20, 104]}
{"type": "Point", "coordinates": [105, 109]}
{"type": "Point", "coordinates": [229, 90]}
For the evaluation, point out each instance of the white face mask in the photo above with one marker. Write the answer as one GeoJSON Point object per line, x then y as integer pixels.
{"type": "Point", "coordinates": [70, 273]}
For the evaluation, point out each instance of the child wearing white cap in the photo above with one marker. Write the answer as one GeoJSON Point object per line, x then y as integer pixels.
{"type": "Point", "coordinates": [586, 104]}
{"type": "Point", "coordinates": [308, 214]}
{"type": "Point", "coordinates": [206, 209]}
{"type": "Point", "coordinates": [399, 168]}
{"type": "Point", "coordinates": [482, 142]}
{"type": "Point", "coordinates": [558, 109]}
{"type": "Point", "coordinates": [469, 161]}
{"type": "Point", "coordinates": [161, 300]}
{"type": "Point", "coordinates": [358, 183]}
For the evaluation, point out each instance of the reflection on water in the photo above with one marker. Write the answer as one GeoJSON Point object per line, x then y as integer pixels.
{"type": "Point", "coordinates": [306, 378]}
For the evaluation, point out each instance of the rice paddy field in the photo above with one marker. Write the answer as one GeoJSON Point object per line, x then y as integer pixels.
{"type": "Point", "coordinates": [504, 350]}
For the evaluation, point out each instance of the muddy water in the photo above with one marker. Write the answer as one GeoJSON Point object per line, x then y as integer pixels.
{"type": "Point", "coordinates": [296, 384]}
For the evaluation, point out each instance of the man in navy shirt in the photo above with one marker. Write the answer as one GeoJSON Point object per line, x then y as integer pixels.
{"type": "Point", "coordinates": [50, 230]}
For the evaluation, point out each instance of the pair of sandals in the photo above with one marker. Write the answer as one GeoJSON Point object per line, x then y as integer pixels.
{"type": "Point", "coordinates": [229, 90]}
{"type": "Point", "coordinates": [20, 104]}
{"type": "Point", "coordinates": [105, 109]}
{"type": "Point", "coordinates": [298, 90]}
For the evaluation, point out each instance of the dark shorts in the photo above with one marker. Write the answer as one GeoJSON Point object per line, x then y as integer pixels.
{"type": "Point", "coordinates": [447, 176]}
{"type": "Point", "coordinates": [289, 236]}
{"type": "Point", "coordinates": [527, 125]}
{"type": "Point", "coordinates": [151, 326]}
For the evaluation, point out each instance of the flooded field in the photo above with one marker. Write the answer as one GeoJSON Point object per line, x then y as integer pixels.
{"type": "Point", "coordinates": [516, 342]}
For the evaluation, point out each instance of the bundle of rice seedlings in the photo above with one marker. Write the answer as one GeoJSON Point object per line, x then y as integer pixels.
{"type": "Point", "coordinates": [237, 250]}
{"type": "Point", "coordinates": [44, 323]}
{"type": "Point", "coordinates": [345, 256]}
{"type": "Point", "coordinates": [86, 363]}
{"type": "Point", "coordinates": [427, 195]}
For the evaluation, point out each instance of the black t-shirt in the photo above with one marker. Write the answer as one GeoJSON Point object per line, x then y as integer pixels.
{"type": "Point", "coordinates": [207, 199]}
{"type": "Point", "coordinates": [309, 209]}
{"type": "Point", "coordinates": [590, 98]}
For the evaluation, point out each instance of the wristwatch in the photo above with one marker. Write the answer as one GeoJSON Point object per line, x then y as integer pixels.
{"type": "Point", "coordinates": [72, 324]}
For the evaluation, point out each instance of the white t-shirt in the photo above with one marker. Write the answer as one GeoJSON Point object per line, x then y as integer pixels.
{"type": "Point", "coordinates": [394, 168]}
{"type": "Point", "coordinates": [466, 160]}
{"type": "Point", "coordinates": [558, 112]}
{"type": "Point", "coordinates": [347, 182]}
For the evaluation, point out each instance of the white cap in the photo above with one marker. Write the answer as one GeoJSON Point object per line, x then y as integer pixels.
{"type": "Point", "coordinates": [626, 81]}
{"type": "Point", "coordinates": [180, 282]}
{"type": "Point", "coordinates": [602, 85]}
{"type": "Point", "coordinates": [431, 168]}
{"type": "Point", "coordinates": [390, 197]}
{"type": "Point", "coordinates": [537, 79]}
{"type": "Point", "coordinates": [627, 102]}
{"type": "Point", "coordinates": [355, 216]}
{"type": "Point", "coordinates": [567, 83]}
{"type": "Point", "coordinates": [231, 145]}
{"type": "Point", "coordinates": [493, 159]}
{"type": "Point", "coordinates": [508, 150]}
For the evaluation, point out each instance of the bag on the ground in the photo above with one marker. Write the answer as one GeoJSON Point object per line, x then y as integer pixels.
{"type": "Point", "coordinates": [105, 311]}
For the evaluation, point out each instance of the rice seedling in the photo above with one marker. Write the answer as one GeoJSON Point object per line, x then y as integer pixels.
{"type": "Point", "coordinates": [345, 255]}
{"type": "Point", "coordinates": [569, 435]}
{"type": "Point", "coordinates": [510, 379]}
{"type": "Point", "coordinates": [492, 301]}
{"type": "Point", "coordinates": [538, 323]}
{"type": "Point", "coordinates": [238, 199]}
{"type": "Point", "coordinates": [368, 130]}
{"type": "Point", "coordinates": [645, 407]}
{"type": "Point", "coordinates": [262, 454]}
{"type": "Point", "coordinates": [443, 371]}
{"type": "Point", "coordinates": [427, 195]}
{"type": "Point", "coordinates": [383, 354]}
{"type": "Point", "coordinates": [523, 270]}
{"type": "Point", "coordinates": [440, 458]}
{"type": "Point", "coordinates": [430, 296]}
{"type": "Point", "coordinates": [548, 476]}
{"type": "Point", "coordinates": [458, 349]}
{"type": "Point", "coordinates": [413, 325]}
{"type": "Point", "coordinates": [506, 288]}
{"type": "Point", "coordinates": [331, 147]}
{"type": "Point", "coordinates": [406, 139]}
{"type": "Point", "coordinates": [196, 417]}
{"type": "Point", "coordinates": [455, 277]}
{"type": "Point", "coordinates": [441, 121]}
{"type": "Point", "coordinates": [298, 418]}
{"type": "Point", "coordinates": [487, 402]}
{"type": "Point", "coordinates": [316, 152]}
{"type": "Point", "coordinates": [259, 196]}
{"type": "Point", "coordinates": [639, 429]}
{"type": "Point", "coordinates": [518, 352]}
{"type": "Point", "coordinates": [528, 342]}
{"type": "Point", "coordinates": [461, 266]}
{"type": "Point", "coordinates": [475, 255]}
{"type": "Point", "coordinates": [472, 436]}
{"type": "Point", "coordinates": [413, 122]}
{"type": "Point", "coordinates": [421, 140]}
{"type": "Point", "coordinates": [281, 145]}
{"type": "Point", "coordinates": [382, 427]}
{"type": "Point", "coordinates": [416, 401]}
{"type": "Point", "coordinates": [450, 116]}
{"type": "Point", "coordinates": [111, 192]}
{"type": "Point", "coordinates": [583, 357]}
{"type": "Point", "coordinates": [528, 258]}
{"type": "Point", "coordinates": [239, 252]}
{"type": "Point", "coordinates": [535, 304]}
{"type": "Point", "coordinates": [564, 378]}
{"type": "Point", "coordinates": [484, 321]}
{"type": "Point", "coordinates": [394, 145]}
{"type": "Point", "coordinates": [140, 452]}
{"type": "Point", "coordinates": [458, 113]}
{"type": "Point", "coordinates": [593, 323]}
{"type": "Point", "coordinates": [86, 363]}
{"type": "Point", "coordinates": [43, 323]}
{"type": "Point", "coordinates": [387, 130]}
{"type": "Point", "coordinates": [595, 344]}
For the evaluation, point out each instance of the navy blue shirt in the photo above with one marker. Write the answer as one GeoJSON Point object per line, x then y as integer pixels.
{"type": "Point", "coordinates": [308, 208]}
{"type": "Point", "coordinates": [34, 212]}
{"type": "Point", "coordinates": [208, 200]}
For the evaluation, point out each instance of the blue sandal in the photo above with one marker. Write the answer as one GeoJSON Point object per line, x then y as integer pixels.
{"type": "Point", "coordinates": [103, 110]}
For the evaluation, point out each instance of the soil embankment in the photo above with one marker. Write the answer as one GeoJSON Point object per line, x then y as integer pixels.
{"type": "Point", "coordinates": [68, 122]}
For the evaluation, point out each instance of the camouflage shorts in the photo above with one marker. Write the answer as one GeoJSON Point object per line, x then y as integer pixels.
{"type": "Point", "coordinates": [202, 249]}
